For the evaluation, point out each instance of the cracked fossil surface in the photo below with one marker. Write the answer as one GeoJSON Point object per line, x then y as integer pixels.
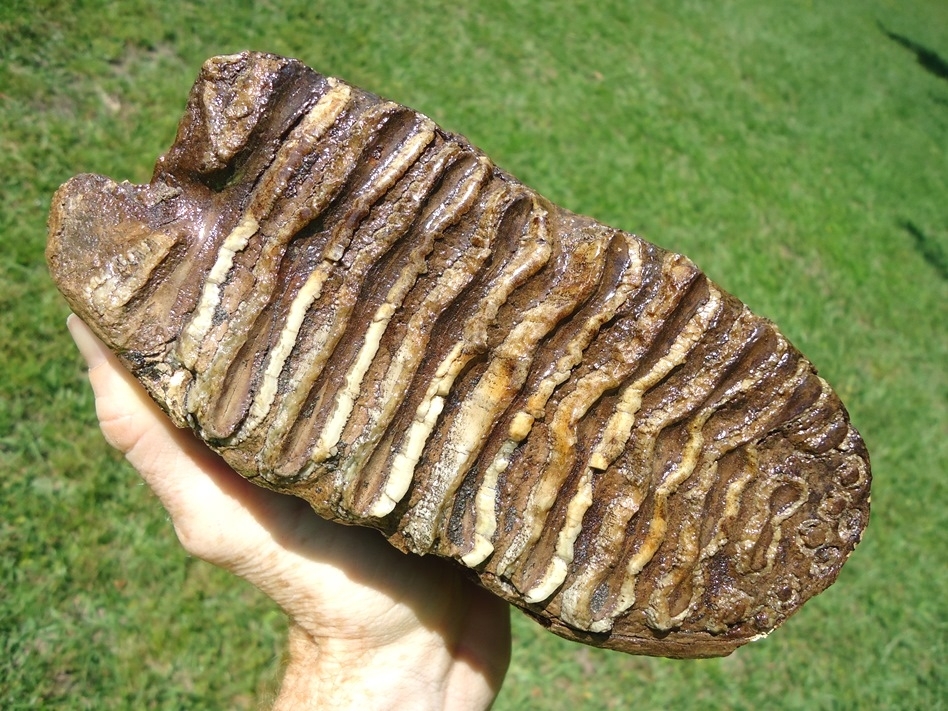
{"type": "Point", "coordinates": [356, 307]}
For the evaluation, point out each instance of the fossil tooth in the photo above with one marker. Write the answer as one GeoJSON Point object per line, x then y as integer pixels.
{"type": "Point", "coordinates": [356, 307]}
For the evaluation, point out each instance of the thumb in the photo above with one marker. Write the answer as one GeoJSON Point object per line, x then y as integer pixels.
{"type": "Point", "coordinates": [122, 407]}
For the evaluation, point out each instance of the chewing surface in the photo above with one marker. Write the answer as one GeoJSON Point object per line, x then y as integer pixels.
{"type": "Point", "coordinates": [356, 307]}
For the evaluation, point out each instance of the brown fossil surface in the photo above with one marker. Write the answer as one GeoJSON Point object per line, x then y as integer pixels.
{"type": "Point", "coordinates": [357, 307]}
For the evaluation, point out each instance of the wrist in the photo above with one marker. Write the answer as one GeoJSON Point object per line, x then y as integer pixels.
{"type": "Point", "coordinates": [417, 671]}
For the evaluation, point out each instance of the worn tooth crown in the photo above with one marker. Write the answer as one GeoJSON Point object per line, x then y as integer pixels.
{"type": "Point", "coordinates": [354, 306]}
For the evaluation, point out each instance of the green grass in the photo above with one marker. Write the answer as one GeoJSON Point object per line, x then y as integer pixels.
{"type": "Point", "coordinates": [794, 149]}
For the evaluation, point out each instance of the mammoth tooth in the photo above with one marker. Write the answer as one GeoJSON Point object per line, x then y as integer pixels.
{"type": "Point", "coordinates": [357, 307]}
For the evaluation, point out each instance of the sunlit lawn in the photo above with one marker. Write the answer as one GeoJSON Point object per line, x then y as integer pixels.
{"type": "Point", "coordinates": [798, 151]}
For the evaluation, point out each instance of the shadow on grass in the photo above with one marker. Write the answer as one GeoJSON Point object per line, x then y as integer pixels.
{"type": "Point", "coordinates": [930, 61]}
{"type": "Point", "coordinates": [930, 249]}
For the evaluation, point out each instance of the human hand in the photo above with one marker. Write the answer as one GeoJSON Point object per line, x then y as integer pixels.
{"type": "Point", "coordinates": [370, 627]}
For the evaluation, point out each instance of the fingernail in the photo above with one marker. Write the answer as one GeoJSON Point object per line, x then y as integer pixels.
{"type": "Point", "coordinates": [90, 347]}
